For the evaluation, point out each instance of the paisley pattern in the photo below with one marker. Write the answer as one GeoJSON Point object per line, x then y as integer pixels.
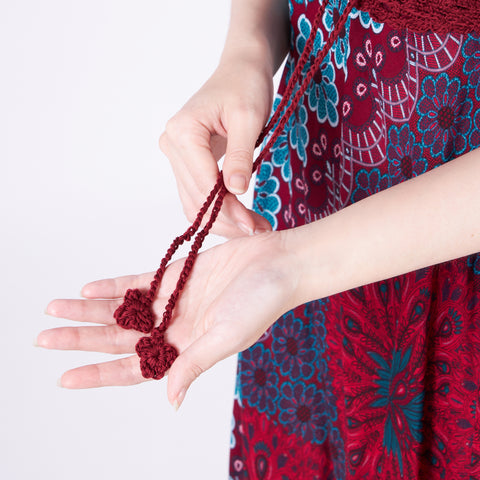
{"type": "Point", "coordinates": [381, 381]}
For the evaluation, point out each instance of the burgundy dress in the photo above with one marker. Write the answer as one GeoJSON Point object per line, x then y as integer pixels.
{"type": "Point", "coordinates": [381, 381]}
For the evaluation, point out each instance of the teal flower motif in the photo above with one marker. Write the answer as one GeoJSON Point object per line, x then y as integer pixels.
{"type": "Point", "coordinates": [303, 2]}
{"type": "Point", "coordinates": [322, 92]}
{"type": "Point", "coordinates": [281, 149]}
{"type": "Point", "coordinates": [471, 66]}
{"type": "Point", "coordinates": [304, 29]}
{"type": "Point", "coordinates": [293, 347]}
{"type": "Point", "coordinates": [341, 47]}
{"type": "Point", "coordinates": [445, 116]}
{"type": "Point", "coordinates": [302, 411]}
{"type": "Point", "coordinates": [473, 261]}
{"type": "Point", "coordinates": [266, 201]}
{"type": "Point", "coordinates": [402, 401]}
{"type": "Point", "coordinates": [368, 183]}
{"type": "Point", "coordinates": [294, 136]}
{"type": "Point", "coordinates": [405, 155]}
{"type": "Point", "coordinates": [298, 132]}
{"type": "Point", "coordinates": [366, 20]}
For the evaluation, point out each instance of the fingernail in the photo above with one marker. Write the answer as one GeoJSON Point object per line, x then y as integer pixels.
{"type": "Point", "coordinates": [238, 183]}
{"type": "Point", "coordinates": [35, 343]}
{"type": "Point", "coordinates": [244, 228]}
{"type": "Point", "coordinates": [178, 401]}
{"type": "Point", "coordinates": [59, 383]}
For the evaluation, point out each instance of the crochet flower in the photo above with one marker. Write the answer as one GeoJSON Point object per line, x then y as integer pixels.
{"type": "Point", "coordinates": [266, 201]}
{"type": "Point", "coordinates": [444, 111]}
{"type": "Point", "coordinates": [404, 154]}
{"type": "Point", "coordinates": [341, 47]}
{"type": "Point", "coordinates": [258, 379]}
{"type": "Point", "coordinates": [302, 410]}
{"type": "Point", "coordinates": [368, 183]}
{"type": "Point", "coordinates": [322, 92]}
{"type": "Point", "coordinates": [293, 347]}
{"type": "Point", "coordinates": [471, 66]}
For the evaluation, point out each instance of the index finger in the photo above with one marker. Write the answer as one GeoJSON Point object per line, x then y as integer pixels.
{"type": "Point", "coordinates": [116, 287]}
{"type": "Point", "coordinates": [121, 372]}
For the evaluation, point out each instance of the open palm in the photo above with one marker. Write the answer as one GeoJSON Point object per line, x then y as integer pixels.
{"type": "Point", "coordinates": [235, 292]}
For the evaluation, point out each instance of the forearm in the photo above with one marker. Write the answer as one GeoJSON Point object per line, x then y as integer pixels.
{"type": "Point", "coordinates": [421, 222]}
{"type": "Point", "coordinates": [258, 29]}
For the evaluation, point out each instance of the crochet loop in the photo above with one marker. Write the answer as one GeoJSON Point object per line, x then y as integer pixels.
{"type": "Point", "coordinates": [135, 312]}
{"type": "Point", "coordinates": [439, 16]}
{"type": "Point", "coordinates": [156, 355]}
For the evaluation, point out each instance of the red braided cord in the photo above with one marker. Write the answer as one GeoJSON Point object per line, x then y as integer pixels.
{"type": "Point", "coordinates": [297, 71]}
{"type": "Point", "coordinates": [190, 260]}
{"type": "Point", "coordinates": [305, 82]}
{"type": "Point", "coordinates": [290, 86]}
{"type": "Point", "coordinates": [156, 355]}
{"type": "Point", "coordinates": [150, 348]}
{"type": "Point", "coordinates": [190, 232]}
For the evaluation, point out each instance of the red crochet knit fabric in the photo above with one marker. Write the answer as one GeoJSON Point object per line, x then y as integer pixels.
{"type": "Point", "coordinates": [441, 16]}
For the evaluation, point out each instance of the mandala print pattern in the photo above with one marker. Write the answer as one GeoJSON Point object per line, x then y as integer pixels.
{"type": "Point", "coordinates": [382, 381]}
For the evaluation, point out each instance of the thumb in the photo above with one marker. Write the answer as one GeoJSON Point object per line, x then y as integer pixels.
{"type": "Point", "coordinates": [202, 354]}
{"type": "Point", "coordinates": [243, 130]}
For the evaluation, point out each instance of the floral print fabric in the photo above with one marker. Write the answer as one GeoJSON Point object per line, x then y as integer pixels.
{"type": "Point", "coordinates": [382, 381]}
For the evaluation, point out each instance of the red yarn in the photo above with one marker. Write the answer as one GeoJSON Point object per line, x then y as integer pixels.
{"type": "Point", "coordinates": [156, 356]}
{"type": "Point", "coordinates": [440, 16]}
{"type": "Point", "coordinates": [135, 312]}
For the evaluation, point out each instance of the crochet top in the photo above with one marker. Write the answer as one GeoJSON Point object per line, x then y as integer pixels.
{"type": "Point", "coordinates": [439, 16]}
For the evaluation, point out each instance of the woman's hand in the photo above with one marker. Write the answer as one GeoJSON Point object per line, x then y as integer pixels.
{"type": "Point", "coordinates": [225, 116]}
{"type": "Point", "coordinates": [235, 292]}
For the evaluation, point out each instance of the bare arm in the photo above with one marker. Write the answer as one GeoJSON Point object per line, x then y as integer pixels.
{"type": "Point", "coordinates": [227, 114]}
{"type": "Point", "coordinates": [421, 222]}
{"type": "Point", "coordinates": [260, 29]}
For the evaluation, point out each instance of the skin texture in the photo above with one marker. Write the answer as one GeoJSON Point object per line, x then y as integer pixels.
{"type": "Point", "coordinates": [218, 312]}
{"type": "Point", "coordinates": [227, 114]}
{"type": "Point", "coordinates": [220, 119]}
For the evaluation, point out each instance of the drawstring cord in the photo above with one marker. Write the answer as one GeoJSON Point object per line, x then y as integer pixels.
{"type": "Point", "coordinates": [156, 355]}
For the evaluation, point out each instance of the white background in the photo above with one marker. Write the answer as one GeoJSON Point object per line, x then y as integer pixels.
{"type": "Point", "coordinates": [86, 88]}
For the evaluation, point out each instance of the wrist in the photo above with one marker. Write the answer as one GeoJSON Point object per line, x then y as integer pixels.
{"type": "Point", "coordinates": [278, 267]}
{"type": "Point", "coordinates": [316, 264]}
{"type": "Point", "coordinates": [259, 30]}
{"type": "Point", "coordinates": [255, 52]}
